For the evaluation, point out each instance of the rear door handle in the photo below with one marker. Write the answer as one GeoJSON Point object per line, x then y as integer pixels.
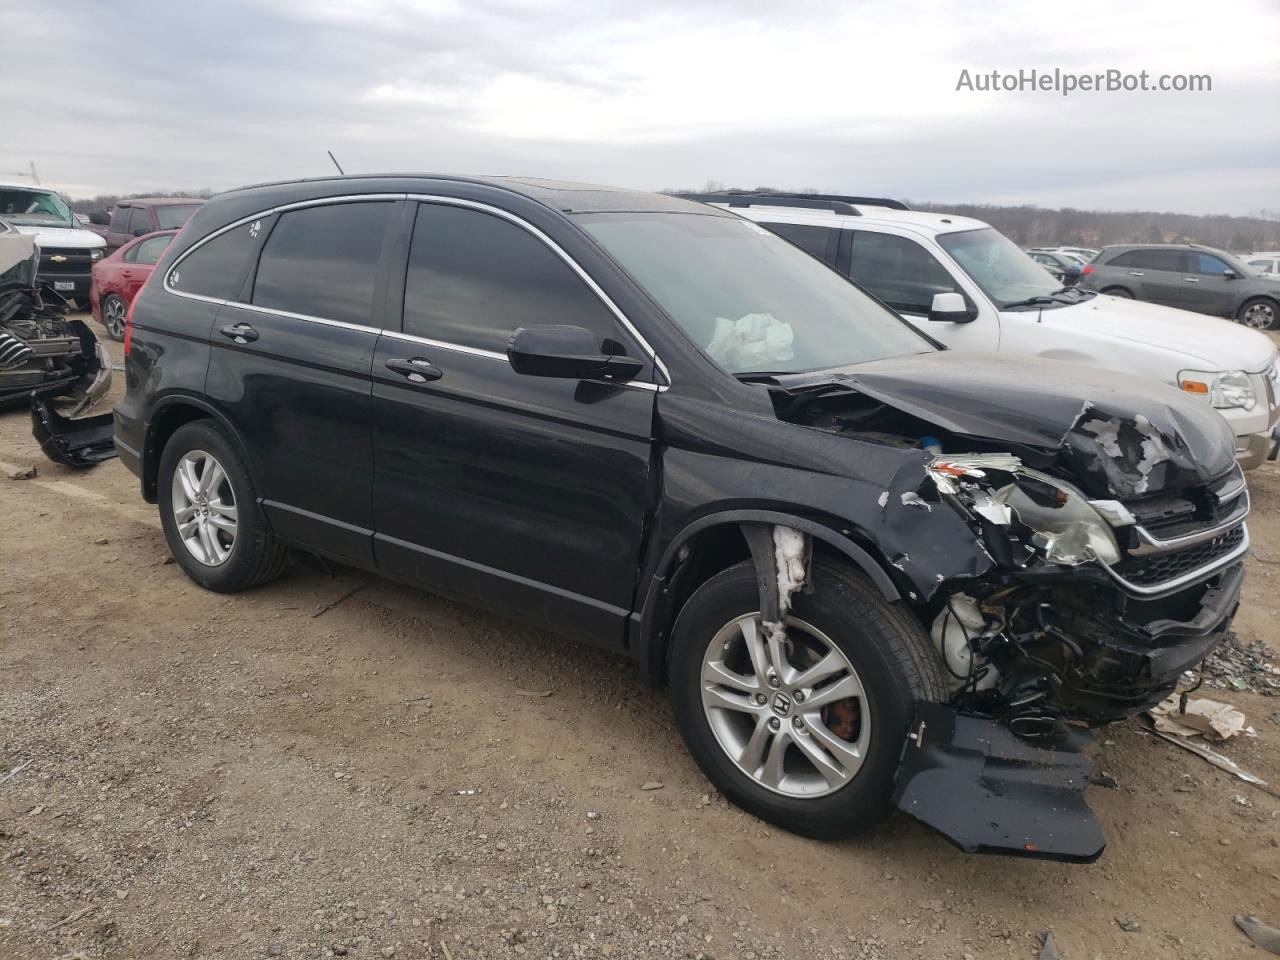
{"type": "Point", "coordinates": [416, 370]}
{"type": "Point", "coordinates": [1191, 279]}
{"type": "Point", "coordinates": [239, 332]}
{"type": "Point", "coordinates": [1135, 273]}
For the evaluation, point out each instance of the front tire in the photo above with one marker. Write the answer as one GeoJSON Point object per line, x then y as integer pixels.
{"type": "Point", "coordinates": [818, 755]}
{"type": "Point", "coordinates": [209, 512]}
{"type": "Point", "coordinates": [1120, 292]}
{"type": "Point", "coordinates": [1258, 314]}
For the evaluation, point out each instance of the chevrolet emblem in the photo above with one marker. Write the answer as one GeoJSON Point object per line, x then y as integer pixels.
{"type": "Point", "coordinates": [58, 258]}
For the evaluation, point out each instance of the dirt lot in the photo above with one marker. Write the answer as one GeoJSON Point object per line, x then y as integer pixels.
{"type": "Point", "coordinates": [300, 772]}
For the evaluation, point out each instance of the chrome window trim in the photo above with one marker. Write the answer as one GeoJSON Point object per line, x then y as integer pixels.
{"type": "Point", "coordinates": [272, 311]}
{"type": "Point", "coordinates": [1186, 578]}
{"type": "Point", "coordinates": [423, 198]}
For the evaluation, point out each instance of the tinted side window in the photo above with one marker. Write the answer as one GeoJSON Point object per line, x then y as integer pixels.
{"type": "Point", "coordinates": [149, 251]}
{"type": "Point", "coordinates": [817, 241]}
{"type": "Point", "coordinates": [1207, 265]}
{"type": "Point", "coordinates": [140, 219]}
{"type": "Point", "coordinates": [899, 271]}
{"type": "Point", "coordinates": [119, 219]}
{"type": "Point", "coordinates": [1171, 260]}
{"type": "Point", "coordinates": [323, 261]}
{"type": "Point", "coordinates": [216, 268]}
{"type": "Point", "coordinates": [473, 278]}
{"type": "Point", "coordinates": [1129, 259]}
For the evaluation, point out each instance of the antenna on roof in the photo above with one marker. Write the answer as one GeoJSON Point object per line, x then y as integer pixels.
{"type": "Point", "coordinates": [335, 162]}
{"type": "Point", "coordinates": [22, 173]}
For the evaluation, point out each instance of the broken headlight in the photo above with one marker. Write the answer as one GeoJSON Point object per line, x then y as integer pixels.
{"type": "Point", "coordinates": [1062, 522]}
{"type": "Point", "coordinates": [1226, 390]}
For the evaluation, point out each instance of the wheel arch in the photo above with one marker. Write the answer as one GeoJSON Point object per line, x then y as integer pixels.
{"type": "Point", "coordinates": [715, 542]}
{"type": "Point", "coordinates": [168, 416]}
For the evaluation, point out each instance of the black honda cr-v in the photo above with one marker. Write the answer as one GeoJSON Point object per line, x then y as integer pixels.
{"type": "Point", "coordinates": [871, 572]}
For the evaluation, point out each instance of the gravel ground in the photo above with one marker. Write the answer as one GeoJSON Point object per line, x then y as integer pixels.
{"type": "Point", "coordinates": [268, 775]}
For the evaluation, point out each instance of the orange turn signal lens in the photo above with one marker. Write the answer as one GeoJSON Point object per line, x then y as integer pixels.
{"type": "Point", "coordinates": [1195, 386]}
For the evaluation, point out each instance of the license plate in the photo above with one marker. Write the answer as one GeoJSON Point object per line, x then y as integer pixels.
{"type": "Point", "coordinates": [64, 285]}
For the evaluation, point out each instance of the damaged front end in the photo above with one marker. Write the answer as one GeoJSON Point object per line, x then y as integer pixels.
{"type": "Point", "coordinates": [1104, 559]}
{"type": "Point", "coordinates": [47, 355]}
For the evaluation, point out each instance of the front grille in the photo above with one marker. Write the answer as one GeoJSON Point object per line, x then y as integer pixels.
{"type": "Point", "coordinates": [1154, 570]}
{"type": "Point", "coordinates": [76, 263]}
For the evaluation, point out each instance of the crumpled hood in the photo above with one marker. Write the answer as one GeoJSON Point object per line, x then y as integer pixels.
{"type": "Point", "coordinates": [1120, 436]}
{"type": "Point", "coordinates": [61, 238]}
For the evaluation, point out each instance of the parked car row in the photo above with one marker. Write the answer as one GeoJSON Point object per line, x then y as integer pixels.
{"type": "Point", "coordinates": [871, 571]}
{"type": "Point", "coordinates": [1190, 277]}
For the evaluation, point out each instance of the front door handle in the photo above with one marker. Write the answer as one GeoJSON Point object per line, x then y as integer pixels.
{"type": "Point", "coordinates": [1191, 279]}
{"type": "Point", "coordinates": [239, 332]}
{"type": "Point", "coordinates": [1135, 273]}
{"type": "Point", "coordinates": [416, 370]}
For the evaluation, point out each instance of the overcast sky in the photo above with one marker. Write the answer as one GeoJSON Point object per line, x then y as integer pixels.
{"type": "Point", "coordinates": [855, 96]}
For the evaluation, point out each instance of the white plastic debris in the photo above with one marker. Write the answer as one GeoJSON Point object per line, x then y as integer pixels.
{"type": "Point", "coordinates": [756, 341]}
{"type": "Point", "coordinates": [788, 545]}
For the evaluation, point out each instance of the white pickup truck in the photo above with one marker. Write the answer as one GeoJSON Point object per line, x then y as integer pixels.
{"type": "Point", "coordinates": [67, 250]}
{"type": "Point", "coordinates": [969, 286]}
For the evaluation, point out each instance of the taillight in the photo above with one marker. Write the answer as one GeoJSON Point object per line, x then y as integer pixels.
{"type": "Point", "coordinates": [1088, 269]}
{"type": "Point", "coordinates": [128, 324]}
{"type": "Point", "coordinates": [128, 317]}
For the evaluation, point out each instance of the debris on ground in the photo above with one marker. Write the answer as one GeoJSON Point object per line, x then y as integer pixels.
{"type": "Point", "coordinates": [1219, 761]}
{"type": "Point", "coordinates": [651, 785]}
{"type": "Point", "coordinates": [1202, 716]}
{"type": "Point", "coordinates": [1048, 949]}
{"type": "Point", "coordinates": [21, 473]}
{"type": "Point", "coordinates": [1105, 780]}
{"type": "Point", "coordinates": [1128, 925]}
{"type": "Point", "coordinates": [1247, 666]}
{"type": "Point", "coordinates": [1268, 938]}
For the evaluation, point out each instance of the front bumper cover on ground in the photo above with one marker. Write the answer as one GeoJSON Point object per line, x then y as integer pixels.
{"type": "Point", "coordinates": [82, 442]}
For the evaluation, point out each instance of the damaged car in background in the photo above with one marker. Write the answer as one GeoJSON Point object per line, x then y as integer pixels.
{"type": "Point", "coordinates": [871, 571]}
{"type": "Point", "coordinates": [46, 355]}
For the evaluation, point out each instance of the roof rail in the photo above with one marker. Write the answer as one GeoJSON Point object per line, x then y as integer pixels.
{"type": "Point", "coordinates": [841, 198]}
{"type": "Point", "coordinates": [744, 199]}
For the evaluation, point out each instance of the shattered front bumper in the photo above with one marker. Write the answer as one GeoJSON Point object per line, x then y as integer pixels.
{"type": "Point", "coordinates": [1135, 653]}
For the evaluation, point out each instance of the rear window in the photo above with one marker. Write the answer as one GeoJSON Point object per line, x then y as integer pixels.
{"type": "Point", "coordinates": [323, 262]}
{"type": "Point", "coordinates": [217, 267]}
{"type": "Point", "coordinates": [172, 216]}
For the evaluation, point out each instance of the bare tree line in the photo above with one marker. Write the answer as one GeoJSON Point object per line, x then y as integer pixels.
{"type": "Point", "coordinates": [1032, 226]}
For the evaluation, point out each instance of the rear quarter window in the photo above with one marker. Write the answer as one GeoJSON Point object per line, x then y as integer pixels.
{"type": "Point", "coordinates": [216, 268]}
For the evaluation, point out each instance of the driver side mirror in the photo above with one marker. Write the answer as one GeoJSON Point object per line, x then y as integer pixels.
{"type": "Point", "coordinates": [1229, 274]}
{"type": "Point", "coordinates": [950, 308]}
{"type": "Point", "coordinates": [566, 352]}
{"type": "Point", "coordinates": [99, 217]}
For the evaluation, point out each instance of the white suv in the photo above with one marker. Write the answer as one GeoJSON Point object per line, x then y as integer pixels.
{"type": "Point", "coordinates": [972, 288]}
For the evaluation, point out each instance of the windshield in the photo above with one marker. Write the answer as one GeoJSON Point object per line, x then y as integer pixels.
{"type": "Point", "coordinates": [173, 215]}
{"type": "Point", "coordinates": [35, 208]}
{"type": "Point", "coordinates": [753, 302]}
{"type": "Point", "coordinates": [1005, 273]}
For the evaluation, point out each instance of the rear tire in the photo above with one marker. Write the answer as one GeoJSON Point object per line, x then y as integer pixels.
{"type": "Point", "coordinates": [114, 311]}
{"type": "Point", "coordinates": [880, 646]}
{"type": "Point", "coordinates": [1258, 313]}
{"type": "Point", "coordinates": [235, 550]}
{"type": "Point", "coordinates": [1121, 292]}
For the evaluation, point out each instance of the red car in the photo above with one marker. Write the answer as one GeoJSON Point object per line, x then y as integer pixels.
{"type": "Point", "coordinates": [118, 278]}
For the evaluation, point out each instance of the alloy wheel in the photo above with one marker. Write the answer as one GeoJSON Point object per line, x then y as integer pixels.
{"type": "Point", "coordinates": [1259, 316]}
{"type": "Point", "coordinates": [204, 507]}
{"type": "Point", "coordinates": [113, 313]}
{"type": "Point", "coordinates": [788, 708]}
